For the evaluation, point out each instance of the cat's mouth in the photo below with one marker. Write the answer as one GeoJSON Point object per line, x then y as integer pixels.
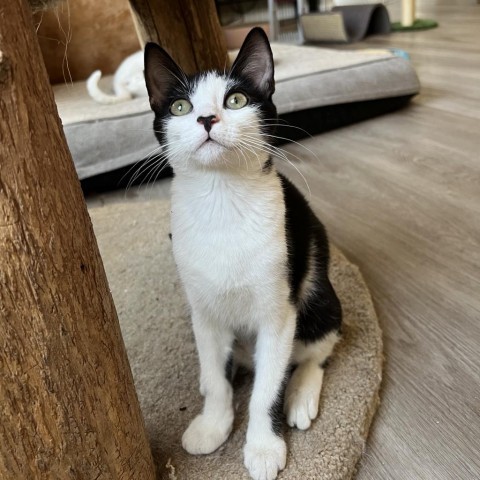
{"type": "Point", "coordinates": [211, 151]}
{"type": "Point", "coordinates": [210, 141]}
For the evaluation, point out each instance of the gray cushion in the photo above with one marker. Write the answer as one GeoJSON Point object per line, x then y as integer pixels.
{"type": "Point", "coordinates": [106, 137]}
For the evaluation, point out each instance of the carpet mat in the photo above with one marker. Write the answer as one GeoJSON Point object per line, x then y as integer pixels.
{"type": "Point", "coordinates": [136, 250]}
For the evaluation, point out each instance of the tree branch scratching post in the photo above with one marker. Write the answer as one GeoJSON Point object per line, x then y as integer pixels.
{"type": "Point", "coordinates": [68, 404]}
{"type": "Point", "coordinates": [188, 29]}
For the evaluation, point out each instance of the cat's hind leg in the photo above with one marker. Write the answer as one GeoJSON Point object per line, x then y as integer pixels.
{"type": "Point", "coordinates": [318, 325]}
{"type": "Point", "coordinates": [303, 389]}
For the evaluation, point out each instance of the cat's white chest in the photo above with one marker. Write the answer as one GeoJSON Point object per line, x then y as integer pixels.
{"type": "Point", "coordinates": [228, 240]}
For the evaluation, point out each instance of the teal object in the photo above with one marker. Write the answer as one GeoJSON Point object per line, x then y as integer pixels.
{"type": "Point", "coordinates": [398, 52]}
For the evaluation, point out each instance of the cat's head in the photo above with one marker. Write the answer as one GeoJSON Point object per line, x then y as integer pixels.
{"type": "Point", "coordinates": [213, 119]}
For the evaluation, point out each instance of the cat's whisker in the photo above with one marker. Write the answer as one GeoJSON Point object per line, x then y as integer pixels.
{"type": "Point", "coordinates": [155, 170]}
{"type": "Point", "coordinates": [148, 164]}
{"type": "Point", "coordinates": [244, 157]}
{"type": "Point", "coordinates": [301, 160]}
{"type": "Point", "coordinates": [157, 150]}
{"type": "Point", "coordinates": [144, 130]}
{"type": "Point", "coordinates": [143, 170]}
{"type": "Point", "coordinates": [258, 124]}
{"type": "Point", "coordinates": [145, 164]}
{"type": "Point", "coordinates": [271, 149]}
{"type": "Point", "coordinates": [262, 122]}
{"type": "Point", "coordinates": [275, 119]}
{"type": "Point", "coordinates": [292, 141]}
{"type": "Point", "coordinates": [287, 126]}
{"type": "Point", "coordinates": [152, 172]}
{"type": "Point", "coordinates": [280, 153]}
{"type": "Point", "coordinates": [246, 146]}
{"type": "Point", "coordinates": [239, 148]}
{"type": "Point", "coordinates": [263, 147]}
{"type": "Point", "coordinates": [303, 177]}
{"type": "Point", "coordinates": [252, 150]}
{"type": "Point", "coordinates": [162, 161]}
{"type": "Point", "coordinates": [135, 164]}
{"type": "Point", "coordinates": [159, 172]}
{"type": "Point", "coordinates": [235, 149]}
{"type": "Point", "coordinates": [166, 145]}
{"type": "Point", "coordinates": [275, 150]}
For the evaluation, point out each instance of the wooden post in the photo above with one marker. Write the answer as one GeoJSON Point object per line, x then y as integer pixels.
{"type": "Point", "coordinates": [68, 404]}
{"type": "Point", "coordinates": [188, 29]}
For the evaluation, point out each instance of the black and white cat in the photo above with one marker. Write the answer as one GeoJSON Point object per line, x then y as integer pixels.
{"type": "Point", "coordinates": [252, 256]}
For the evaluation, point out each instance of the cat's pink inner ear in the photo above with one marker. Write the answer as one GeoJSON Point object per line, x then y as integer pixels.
{"type": "Point", "coordinates": [161, 74]}
{"type": "Point", "coordinates": [255, 61]}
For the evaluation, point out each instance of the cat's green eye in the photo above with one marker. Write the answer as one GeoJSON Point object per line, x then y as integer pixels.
{"type": "Point", "coordinates": [180, 107]}
{"type": "Point", "coordinates": [236, 101]}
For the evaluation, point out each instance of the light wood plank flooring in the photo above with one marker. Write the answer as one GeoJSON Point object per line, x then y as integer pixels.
{"type": "Point", "coordinates": [400, 195]}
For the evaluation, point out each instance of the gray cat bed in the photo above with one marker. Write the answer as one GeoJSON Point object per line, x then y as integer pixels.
{"type": "Point", "coordinates": [349, 23]}
{"type": "Point", "coordinates": [317, 89]}
{"type": "Point", "coordinates": [136, 250]}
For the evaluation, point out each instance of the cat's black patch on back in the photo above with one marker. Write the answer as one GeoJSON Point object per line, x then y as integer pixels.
{"type": "Point", "coordinates": [320, 315]}
{"type": "Point", "coordinates": [307, 242]}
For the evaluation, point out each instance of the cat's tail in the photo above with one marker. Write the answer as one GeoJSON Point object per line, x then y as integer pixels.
{"type": "Point", "coordinates": [102, 97]}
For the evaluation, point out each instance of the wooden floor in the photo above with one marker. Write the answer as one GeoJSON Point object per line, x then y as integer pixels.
{"type": "Point", "coordinates": [400, 195]}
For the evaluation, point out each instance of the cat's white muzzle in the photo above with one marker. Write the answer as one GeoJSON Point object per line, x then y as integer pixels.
{"type": "Point", "coordinates": [211, 152]}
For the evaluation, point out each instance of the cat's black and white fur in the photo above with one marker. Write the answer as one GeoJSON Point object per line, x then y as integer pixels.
{"type": "Point", "coordinates": [252, 256]}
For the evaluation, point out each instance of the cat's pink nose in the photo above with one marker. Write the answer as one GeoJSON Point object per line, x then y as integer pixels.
{"type": "Point", "coordinates": [207, 122]}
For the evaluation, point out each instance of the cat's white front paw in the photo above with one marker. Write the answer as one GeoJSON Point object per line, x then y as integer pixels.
{"type": "Point", "coordinates": [265, 458]}
{"type": "Point", "coordinates": [205, 434]}
{"type": "Point", "coordinates": [301, 407]}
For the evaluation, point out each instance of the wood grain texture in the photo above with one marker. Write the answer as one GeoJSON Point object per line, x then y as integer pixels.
{"type": "Point", "coordinates": [68, 404]}
{"type": "Point", "coordinates": [400, 195]}
{"type": "Point", "coordinates": [189, 30]}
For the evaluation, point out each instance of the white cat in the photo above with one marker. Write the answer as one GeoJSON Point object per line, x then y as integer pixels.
{"type": "Point", "coordinates": [251, 254]}
{"type": "Point", "coordinates": [128, 81]}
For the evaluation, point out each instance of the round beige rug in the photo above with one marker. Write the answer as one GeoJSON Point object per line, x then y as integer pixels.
{"type": "Point", "coordinates": [136, 250]}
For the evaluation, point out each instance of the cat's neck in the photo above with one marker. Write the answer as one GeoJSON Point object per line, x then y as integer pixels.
{"type": "Point", "coordinates": [245, 168]}
{"type": "Point", "coordinates": [228, 180]}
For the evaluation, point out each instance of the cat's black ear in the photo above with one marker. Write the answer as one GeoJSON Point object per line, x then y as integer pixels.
{"type": "Point", "coordinates": [255, 61]}
{"type": "Point", "coordinates": [161, 74]}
